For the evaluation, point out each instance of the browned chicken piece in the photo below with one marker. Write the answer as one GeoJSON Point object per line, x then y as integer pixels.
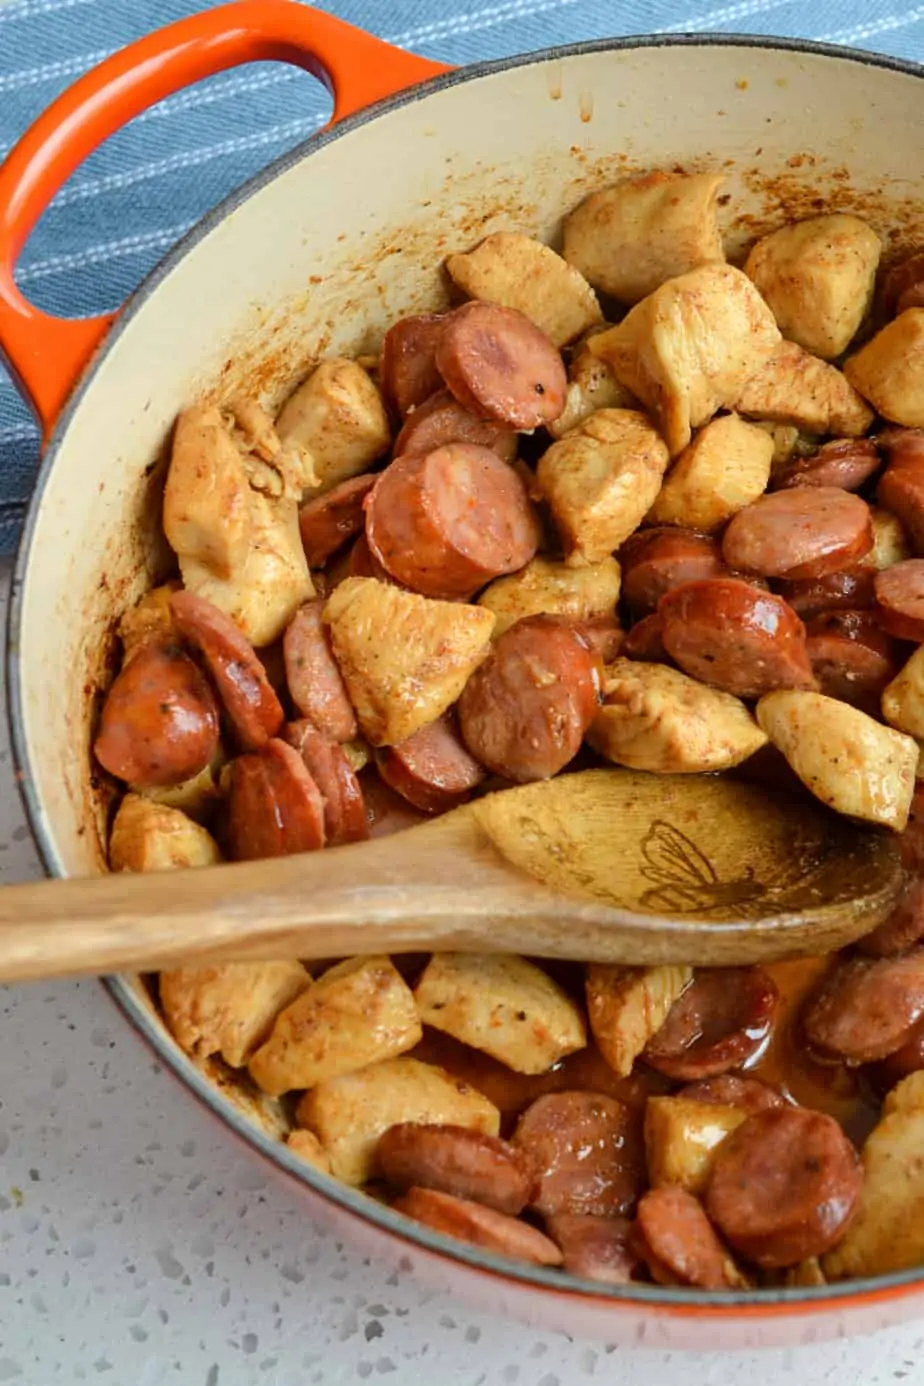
{"type": "Point", "coordinates": [688, 348]}
{"type": "Point", "coordinates": [228, 1010]}
{"type": "Point", "coordinates": [681, 1138]}
{"type": "Point", "coordinates": [197, 796]}
{"type": "Point", "coordinates": [337, 420]}
{"type": "Point", "coordinates": [818, 277]}
{"type": "Point", "coordinates": [724, 469]}
{"type": "Point", "coordinates": [556, 589]}
{"type": "Point", "coordinates": [271, 468]}
{"type": "Point", "coordinates": [148, 836]}
{"type": "Point", "coordinates": [404, 658]}
{"type": "Point", "coordinates": [148, 619]}
{"type": "Point", "coordinates": [629, 239]}
{"type": "Point", "coordinates": [519, 272]}
{"type": "Point", "coordinates": [591, 386]}
{"type": "Point", "coordinates": [307, 1147]}
{"type": "Point", "coordinates": [889, 370]}
{"type": "Point", "coordinates": [206, 512]}
{"type": "Point", "coordinates": [793, 387]}
{"type": "Point", "coordinates": [627, 1006]}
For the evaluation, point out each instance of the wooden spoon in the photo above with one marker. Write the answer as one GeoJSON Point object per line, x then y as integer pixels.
{"type": "Point", "coordinates": [604, 866]}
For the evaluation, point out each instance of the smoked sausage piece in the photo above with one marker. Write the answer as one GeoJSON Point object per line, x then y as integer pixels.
{"type": "Point", "coordinates": [586, 1152]}
{"type": "Point", "coordinates": [865, 1008]}
{"type": "Point", "coordinates": [472, 1222]}
{"type": "Point", "coordinates": [735, 637]}
{"type": "Point", "coordinates": [386, 811]}
{"type": "Point", "coordinates": [784, 1186]}
{"type": "Point", "coordinates": [904, 926]}
{"type": "Point", "coordinates": [441, 419]}
{"type": "Point", "coordinates": [903, 285]}
{"type": "Point", "coordinates": [363, 562]}
{"type": "Point", "coordinates": [596, 1248]}
{"type": "Point", "coordinates": [654, 561]}
{"type": "Point", "coordinates": [901, 487]}
{"type": "Point", "coordinates": [733, 1090]}
{"type": "Point", "coordinates": [315, 683]}
{"type": "Point", "coordinates": [847, 463]}
{"type": "Point", "coordinates": [159, 723]}
{"type": "Point", "coordinates": [722, 1019]}
{"type": "Point", "coordinates": [253, 709]}
{"type": "Point", "coordinates": [329, 521]}
{"type": "Point", "coordinates": [325, 761]}
{"type": "Point", "coordinates": [500, 366]}
{"type": "Point", "coordinates": [679, 1242]}
{"type": "Point", "coordinates": [852, 589]}
{"type": "Point", "coordinates": [524, 711]}
{"type": "Point", "coordinates": [804, 532]}
{"type": "Point", "coordinates": [457, 1161]}
{"type": "Point", "coordinates": [432, 769]}
{"type": "Point", "coordinates": [645, 641]}
{"type": "Point", "coordinates": [900, 597]}
{"type": "Point", "coordinates": [852, 658]}
{"type": "Point", "coordinates": [274, 806]}
{"type": "Point", "coordinates": [445, 523]}
{"type": "Point", "coordinates": [603, 634]}
{"type": "Point", "coordinates": [908, 1059]}
{"type": "Point", "coordinates": [408, 372]}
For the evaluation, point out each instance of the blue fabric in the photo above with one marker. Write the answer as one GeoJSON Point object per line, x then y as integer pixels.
{"type": "Point", "coordinates": [123, 209]}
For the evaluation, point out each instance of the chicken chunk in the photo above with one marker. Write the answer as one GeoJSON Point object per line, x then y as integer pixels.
{"type": "Point", "coordinates": [600, 480]}
{"type": "Point", "coordinates": [687, 349]}
{"type": "Point", "coordinates": [505, 1006]}
{"type": "Point", "coordinates": [404, 658]}
{"type": "Point", "coordinates": [796, 388]}
{"type": "Point", "coordinates": [307, 1147]}
{"type": "Point", "coordinates": [887, 1233]}
{"type": "Point", "coordinates": [629, 239]}
{"type": "Point", "coordinates": [271, 468]}
{"type": "Point", "coordinates": [656, 718]}
{"type": "Point", "coordinates": [228, 1010]}
{"type": "Point", "coordinates": [555, 588]}
{"type": "Point", "coordinates": [818, 277]}
{"type": "Point", "coordinates": [206, 513]}
{"type": "Point", "coordinates": [518, 272]}
{"type": "Point", "coordinates": [591, 386]}
{"type": "Point", "coordinates": [266, 1113]}
{"type": "Point", "coordinates": [682, 1137]}
{"type": "Point", "coordinates": [889, 370]}
{"type": "Point", "coordinates": [627, 1006]}
{"type": "Point", "coordinates": [148, 836]}
{"type": "Point", "coordinates": [349, 1114]}
{"type": "Point", "coordinates": [890, 541]}
{"type": "Point", "coordinates": [903, 699]}
{"type": "Point", "coordinates": [725, 468]}
{"type": "Point", "coordinates": [785, 439]}
{"type": "Point", "coordinates": [359, 1012]}
{"type": "Point", "coordinates": [196, 797]}
{"type": "Point", "coordinates": [149, 619]}
{"type": "Point", "coordinates": [337, 417]}
{"type": "Point", "coordinates": [848, 761]}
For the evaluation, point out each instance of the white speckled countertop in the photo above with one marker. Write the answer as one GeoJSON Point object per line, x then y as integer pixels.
{"type": "Point", "coordinates": [140, 1246]}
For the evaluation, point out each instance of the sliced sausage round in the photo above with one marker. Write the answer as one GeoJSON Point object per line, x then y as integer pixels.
{"type": "Point", "coordinates": [441, 419]}
{"type": "Point", "coordinates": [850, 590]}
{"type": "Point", "coordinates": [908, 1059]}
{"type": "Point", "coordinates": [586, 1152]}
{"type": "Point", "coordinates": [654, 561]}
{"type": "Point", "coordinates": [325, 761]}
{"type": "Point", "coordinates": [904, 926]}
{"type": "Point", "coordinates": [596, 1248]}
{"type": "Point", "coordinates": [852, 658]}
{"type": "Point", "coordinates": [253, 709]}
{"type": "Point", "coordinates": [445, 523]}
{"type": "Point", "coordinates": [363, 562]}
{"type": "Point", "coordinates": [315, 683]}
{"type": "Point", "coordinates": [722, 1019]}
{"type": "Point", "coordinates": [524, 711]}
{"type": "Point", "coordinates": [432, 769]}
{"type": "Point", "coordinates": [804, 532]}
{"type": "Point", "coordinates": [733, 1090]}
{"type": "Point", "coordinates": [472, 1222]}
{"type": "Point", "coordinates": [846, 463]}
{"type": "Point", "coordinates": [679, 1243]}
{"type": "Point", "coordinates": [159, 722]}
{"type": "Point", "coordinates": [735, 637]}
{"type": "Point", "coordinates": [645, 641]}
{"type": "Point", "coordinates": [327, 522]}
{"type": "Point", "coordinates": [901, 487]}
{"type": "Point", "coordinates": [911, 840]}
{"type": "Point", "coordinates": [900, 597]}
{"type": "Point", "coordinates": [865, 1008]}
{"type": "Point", "coordinates": [274, 806]}
{"type": "Point", "coordinates": [408, 372]}
{"type": "Point", "coordinates": [500, 366]}
{"type": "Point", "coordinates": [903, 285]}
{"type": "Point", "coordinates": [784, 1186]}
{"type": "Point", "coordinates": [458, 1161]}
{"type": "Point", "coordinates": [603, 634]}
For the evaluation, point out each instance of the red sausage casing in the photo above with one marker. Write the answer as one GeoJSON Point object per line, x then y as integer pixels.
{"type": "Point", "coordinates": [500, 366]}
{"type": "Point", "coordinates": [804, 532]}
{"type": "Point", "coordinates": [274, 806]}
{"type": "Point", "coordinates": [441, 419]}
{"type": "Point", "coordinates": [719, 1022]}
{"type": "Point", "coordinates": [327, 522]}
{"type": "Point", "coordinates": [315, 683]}
{"type": "Point", "coordinates": [654, 561]}
{"type": "Point", "coordinates": [325, 761]}
{"type": "Point", "coordinates": [900, 599]}
{"type": "Point", "coordinates": [432, 769]}
{"type": "Point", "coordinates": [852, 658]}
{"type": "Point", "coordinates": [407, 364]}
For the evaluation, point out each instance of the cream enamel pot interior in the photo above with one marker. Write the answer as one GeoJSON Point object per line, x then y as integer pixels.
{"type": "Point", "coordinates": [316, 256]}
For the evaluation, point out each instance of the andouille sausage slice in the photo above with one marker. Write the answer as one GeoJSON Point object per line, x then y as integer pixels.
{"type": "Point", "coordinates": [911, 841]}
{"type": "Point", "coordinates": [441, 419]}
{"type": "Point", "coordinates": [500, 366]}
{"type": "Point", "coordinates": [596, 1248]}
{"type": "Point", "coordinates": [386, 811]}
{"type": "Point", "coordinates": [847, 463]}
{"type": "Point", "coordinates": [586, 1152]}
{"type": "Point", "coordinates": [432, 769]}
{"type": "Point", "coordinates": [734, 1090]}
{"type": "Point", "coordinates": [804, 532]}
{"type": "Point", "coordinates": [315, 683]}
{"type": "Point", "coordinates": [253, 709]}
{"type": "Point", "coordinates": [719, 1022]}
{"type": "Point", "coordinates": [901, 486]}
{"type": "Point", "coordinates": [865, 1008]}
{"type": "Point", "coordinates": [457, 1161]}
{"type": "Point", "coordinates": [680, 1244]}
{"type": "Point", "coordinates": [655, 561]}
{"type": "Point", "coordinates": [900, 599]}
{"type": "Point", "coordinates": [524, 711]}
{"type": "Point", "coordinates": [902, 285]}
{"type": "Point", "coordinates": [852, 589]}
{"type": "Point", "coordinates": [325, 761]}
{"type": "Point", "coordinates": [784, 1186]}
{"type": "Point", "coordinates": [908, 1059]}
{"type": "Point", "coordinates": [445, 523]}
{"type": "Point", "coordinates": [408, 372]}
{"type": "Point", "coordinates": [159, 722]}
{"type": "Point", "coordinates": [327, 522]}
{"type": "Point", "coordinates": [472, 1222]}
{"type": "Point", "coordinates": [363, 562]}
{"type": "Point", "coordinates": [645, 641]}
{"type": "Point", "coordinates": [904, 926]}
{"type": "Point", "coordinates": [852, 658]}
{"type": "Point", "coordinates": [735, 637]}
{"type": "Point", "coordinates": [274, 806]}
{"type": "Point", "coordinates": [603, 634]}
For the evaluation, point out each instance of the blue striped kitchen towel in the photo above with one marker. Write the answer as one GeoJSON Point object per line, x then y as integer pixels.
{"type": "Point", "coordinates": [122, 210]}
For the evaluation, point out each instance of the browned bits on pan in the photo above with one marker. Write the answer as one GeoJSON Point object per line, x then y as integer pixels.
{"type": "Point", "coordinates": [500, 366]}
{"type": "Point", "coordinates": [719, 1022]}
{"type": "Point", "coordinates": [274, 806]}
{"type": "Point", "coordinates": [456, 1160]}
{"type": "Point", "coordinates": [586, 1152]}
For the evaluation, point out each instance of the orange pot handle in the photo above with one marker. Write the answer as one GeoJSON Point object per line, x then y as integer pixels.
{"type": "Point", "coordinates": [46, 355]}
